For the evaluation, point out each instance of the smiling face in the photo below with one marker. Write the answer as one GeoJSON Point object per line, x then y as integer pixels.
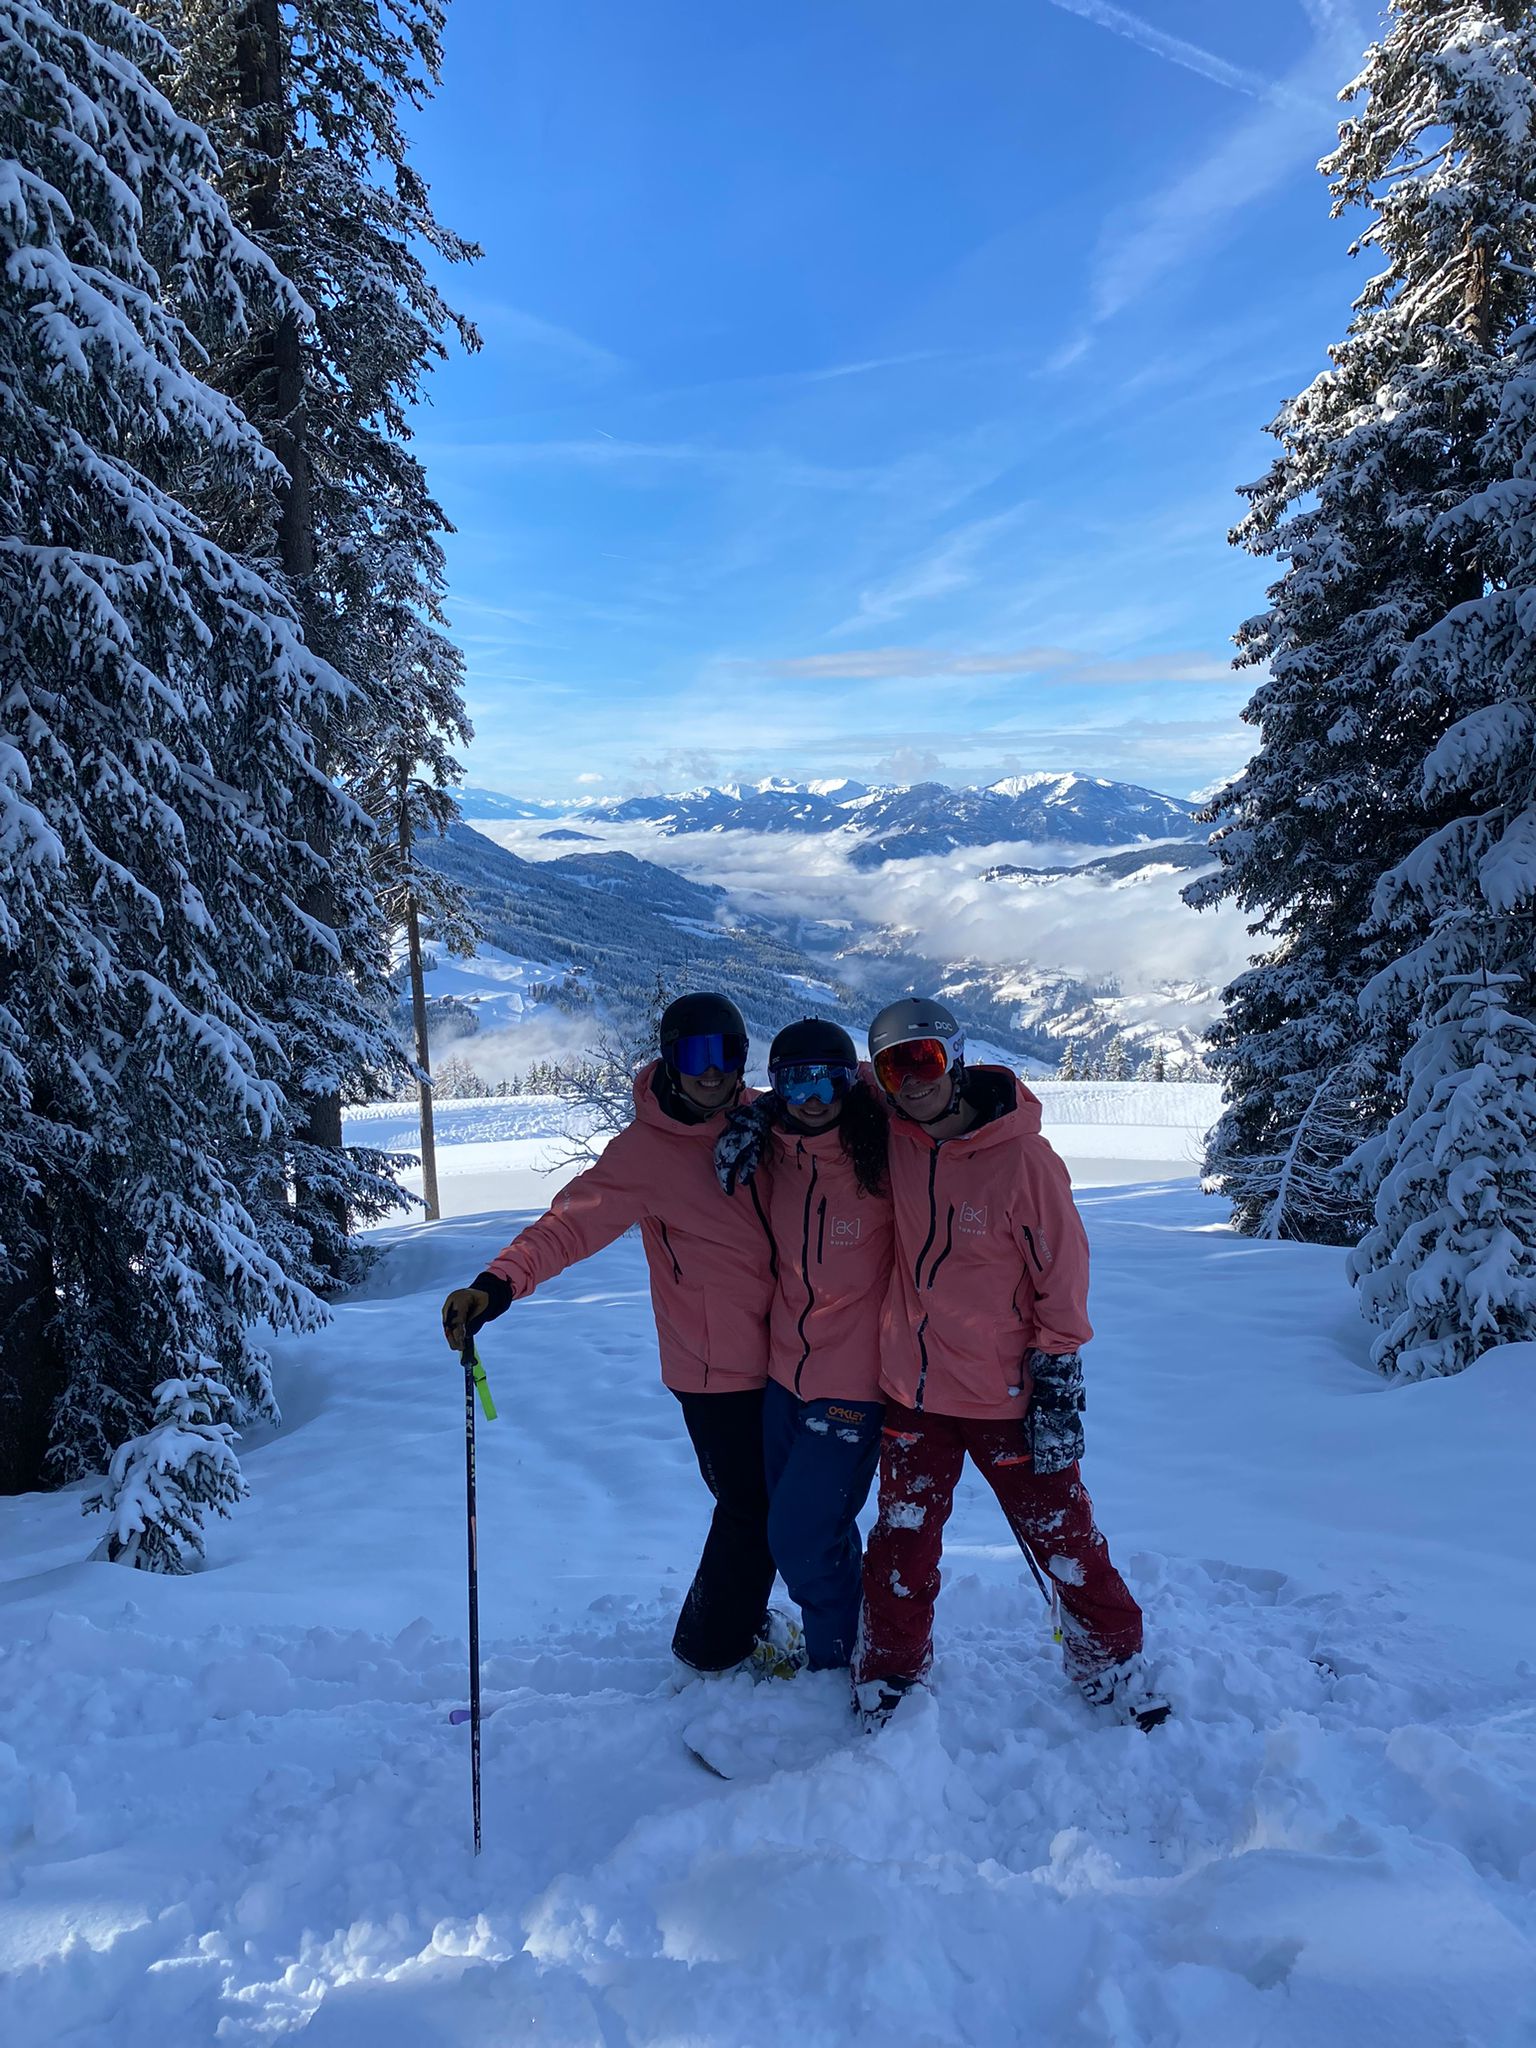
{"type": "Point", "coordinates": [815, 1115]}
{"type": "Point", "coordinates": [926, 1101]}
{"type": "Point", "coordinates": [711, 1090]}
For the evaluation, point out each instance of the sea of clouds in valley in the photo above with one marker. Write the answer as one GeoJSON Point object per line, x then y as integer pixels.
{"type": "Point", "coordinates": [1139, 931]}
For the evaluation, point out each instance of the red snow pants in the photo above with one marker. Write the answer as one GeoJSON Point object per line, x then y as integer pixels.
{"type": "Point", "coordinates": [921, 1458]}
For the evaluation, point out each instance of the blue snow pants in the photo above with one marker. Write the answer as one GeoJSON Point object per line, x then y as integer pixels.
{"type": "Point", "coordinates": [819, 1458]}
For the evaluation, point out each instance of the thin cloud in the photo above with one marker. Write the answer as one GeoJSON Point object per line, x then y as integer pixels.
{"type": "Point", "coordinates": [838, 370]}
{"type": "Point", "coordinates": [602, 450]}
{"type": "Point", "coordinates": [1189, 215]}
{"type": "Point", "coordinates": [876, 663]}
{"type": "Point", "coordinates": [526, 333]}
{"type": "Point", "coordinates": [1189, 56]}
{"type": "Point", "coordinates": [873, 663]}
{"type": "Point", "coordinates": [1157, 668]}
{"type": "Point", "coordinates": [954, 564]}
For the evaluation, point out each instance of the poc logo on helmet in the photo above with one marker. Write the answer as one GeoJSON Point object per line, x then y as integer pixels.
{"type": "Point", "coordinates": [972, 1219]}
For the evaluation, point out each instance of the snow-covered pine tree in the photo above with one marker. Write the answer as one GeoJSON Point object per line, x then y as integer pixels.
{"type": "Point", "coordinates": [1462, 906]}
{"type": "Point", "coordinates": [1450, 1267]}
{"type": "Point", "coordinates": [1117, 1060]}
{"type": "Point", "coordinates": [1373, 454]}
{"type": "Point", "coordinates": [157, 706]}
{"type": "Point", "coordinates": [1066, 1066]}
{"type": "Point", "coordinates": [304, 103]}
{"type": "Point", "coordinates": [1157, 1066]}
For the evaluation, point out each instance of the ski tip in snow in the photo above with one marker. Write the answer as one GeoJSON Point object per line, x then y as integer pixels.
{"type": "Point", "coordinates": [705, 1762]}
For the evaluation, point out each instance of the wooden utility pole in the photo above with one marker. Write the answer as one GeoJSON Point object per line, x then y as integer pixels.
{"type": "Point", "coordinates": [423, 1056]}
{"type": "Point", "coordinates": [419, 1021]}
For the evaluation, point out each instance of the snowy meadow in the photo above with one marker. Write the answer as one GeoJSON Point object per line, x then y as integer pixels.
{"type": "Point", "coordinates": [234, 1809]}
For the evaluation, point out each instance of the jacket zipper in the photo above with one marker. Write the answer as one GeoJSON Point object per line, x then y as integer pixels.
{"type": "Point", "coordinates": [805, 1274]}
{"type": "Point", "coordinates": [949, 1245]}
{"type": "Point", "coordinates": [677, 1271]}
{"type": "Point", "coordinates": [933, 1218]}
{"type": "Point", "coordinates": [1029, 1239]}
{"type": "Point", "coordinates": [922, 1373]}
{"type": "Point", "coordinates": [821, 1231]}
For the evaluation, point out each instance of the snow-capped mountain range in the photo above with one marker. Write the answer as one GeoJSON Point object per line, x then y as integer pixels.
{"type": "Point", "coordinates": [896, 822]}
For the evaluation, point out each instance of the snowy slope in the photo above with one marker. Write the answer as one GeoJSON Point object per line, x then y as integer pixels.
{"type": "Point", "coordinates": [232, 1809]}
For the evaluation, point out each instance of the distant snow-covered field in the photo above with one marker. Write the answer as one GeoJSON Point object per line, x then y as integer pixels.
{"type": "Point", "coordinates": [508, 1150]}
{"type": "Point", "coordinates": [232, 1809]}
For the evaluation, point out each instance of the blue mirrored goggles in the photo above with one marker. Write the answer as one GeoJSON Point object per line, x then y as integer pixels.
{"type": "Point", "coordinates": [812, 1081]}
{"type": "Point", "coordinates": [725, 1052]}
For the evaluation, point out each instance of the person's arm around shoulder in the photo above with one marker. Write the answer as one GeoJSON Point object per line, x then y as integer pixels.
{"type": "Point", "coordinates": [598, 1206]}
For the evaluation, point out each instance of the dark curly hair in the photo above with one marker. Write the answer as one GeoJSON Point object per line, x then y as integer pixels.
{"type": "Point", "coordinates": [865, 1130]}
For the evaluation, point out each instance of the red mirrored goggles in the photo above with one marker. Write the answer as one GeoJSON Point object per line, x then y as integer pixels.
{"type": "Point", "coordinates": [915, 1059]}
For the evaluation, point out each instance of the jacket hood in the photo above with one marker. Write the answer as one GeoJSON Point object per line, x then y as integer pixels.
{"type": "Point", "coordinates": [1015, 1112]}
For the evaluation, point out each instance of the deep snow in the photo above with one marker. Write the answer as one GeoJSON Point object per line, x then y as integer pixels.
{"type": "Point", "coordinates": [231, 1807]}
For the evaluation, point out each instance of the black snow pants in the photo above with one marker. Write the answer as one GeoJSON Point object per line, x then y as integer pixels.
{"type": "Point", "coordinates": [727, 1603]}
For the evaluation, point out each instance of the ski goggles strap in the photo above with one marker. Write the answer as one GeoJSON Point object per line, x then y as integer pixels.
{"type": "Point", "coordinates": [699, 1051]}
{"type": "Point", "coordinates": [915, 1059]}
{"type": "Point", "coordinates": [800, 1081]}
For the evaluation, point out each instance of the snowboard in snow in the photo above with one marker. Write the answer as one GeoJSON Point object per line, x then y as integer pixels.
{"type": "Point", "coordinates": [739, 1730]}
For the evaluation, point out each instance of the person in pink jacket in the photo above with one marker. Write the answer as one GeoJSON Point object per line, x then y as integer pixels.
{"type": "Point", "coordinates": [711, 1280]}
{"type": "Point", "coordinates": [979, 1354]}
{"type": "Point", "coordinates": [818, 1144]}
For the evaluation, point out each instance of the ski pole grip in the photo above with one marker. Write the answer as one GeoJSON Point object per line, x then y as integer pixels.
{"type": "Point", "coordinates": [476, 1371]}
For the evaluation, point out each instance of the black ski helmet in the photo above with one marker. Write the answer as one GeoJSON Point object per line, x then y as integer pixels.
{"type": "Point", "coordinates": [694, 1015]}
{"type": "Point", "coordinates": [812, 1039]}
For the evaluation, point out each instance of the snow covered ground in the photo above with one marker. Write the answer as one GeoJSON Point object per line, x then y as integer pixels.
{"type": "Point", "coordinates": [232, 1808]}
{"type": "Point", "coordinates": [514, 1152]}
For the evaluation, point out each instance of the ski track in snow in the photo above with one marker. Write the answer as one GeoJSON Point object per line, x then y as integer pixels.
{"type": "Point", "coordinates": [232, 1808]}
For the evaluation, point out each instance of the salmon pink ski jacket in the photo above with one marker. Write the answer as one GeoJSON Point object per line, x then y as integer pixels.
{"type": "Point", "coordinates": [709, 1255]}
{"type": "Point", "coordinates": [991, 1260]}
{"type": "Point", "coordinates": [834, 1256]}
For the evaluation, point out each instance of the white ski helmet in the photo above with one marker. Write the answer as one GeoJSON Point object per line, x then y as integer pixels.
{"type": "Point", "coordinates": [917, 1017]}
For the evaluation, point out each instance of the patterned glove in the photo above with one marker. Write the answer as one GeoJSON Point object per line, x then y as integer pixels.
{"type": "Point", "coordinates": [463, 1313]}
{"type": "Point", "coordinates": [468, 1309]}
{"type": "Point", "coordinates": [1053, 1422]}
{"type": "Point", "coordinates": [739, 1146]}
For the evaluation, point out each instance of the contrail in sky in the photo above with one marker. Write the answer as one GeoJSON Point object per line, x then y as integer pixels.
{"type": "Point", "coordinates": [1173, 48]}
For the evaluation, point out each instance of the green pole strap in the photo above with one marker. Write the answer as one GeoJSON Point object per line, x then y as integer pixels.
{"type": "Point", "coordinates": [482, 1387]}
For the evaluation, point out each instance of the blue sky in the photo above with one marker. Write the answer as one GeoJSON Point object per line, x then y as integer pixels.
{"type": "Point", "coordinates": [866, 387]}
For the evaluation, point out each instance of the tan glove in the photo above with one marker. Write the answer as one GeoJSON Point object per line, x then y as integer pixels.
{"type": "Point", "coordinates": [463, 1313]}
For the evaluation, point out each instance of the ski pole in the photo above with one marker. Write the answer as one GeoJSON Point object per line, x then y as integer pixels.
{"type": "Point", "coordinates": [1049, 1593]}
{"type": "Point", "coordinates": [474, 1382]}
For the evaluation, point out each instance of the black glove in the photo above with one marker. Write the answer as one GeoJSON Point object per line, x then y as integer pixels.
{"type": "Point", "coordinates": [1053, 1422]}
{"type": "Point", "coordinates": [739, 1146]}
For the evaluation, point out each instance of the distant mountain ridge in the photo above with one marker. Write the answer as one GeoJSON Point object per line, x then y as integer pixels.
{"type": "Point", "coordinates": [899, 822]}
{"type": "Point", "coordinates": [1186, 858]}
